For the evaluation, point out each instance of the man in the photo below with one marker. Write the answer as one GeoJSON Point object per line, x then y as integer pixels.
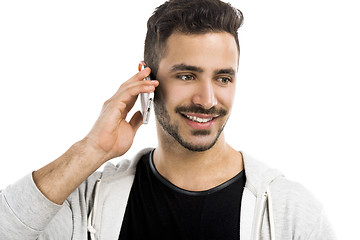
{"type": "Point", "coordinates": [193, 185]}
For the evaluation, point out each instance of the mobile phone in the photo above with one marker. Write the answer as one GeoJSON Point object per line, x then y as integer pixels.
{"type": "Point", "coordinates": [146, 99]}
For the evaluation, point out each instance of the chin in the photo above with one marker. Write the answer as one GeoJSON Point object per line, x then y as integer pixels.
{"type": "Point", "coordinates": [204, 140]}
{"type": "Point", "coordinates": [198, 148]}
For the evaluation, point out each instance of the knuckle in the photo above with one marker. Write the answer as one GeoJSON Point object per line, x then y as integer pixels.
{"type": "Point", "coordinates": [106, 103]}
{"type": "Point", "coordinates": [123, 85]}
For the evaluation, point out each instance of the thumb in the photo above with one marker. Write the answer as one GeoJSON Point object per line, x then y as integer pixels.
{"type": "Point", "coordinates": [136, 121]}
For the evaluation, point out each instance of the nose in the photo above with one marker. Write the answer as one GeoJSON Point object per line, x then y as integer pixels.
{"type": "Point", "coordinates": [204, 95]}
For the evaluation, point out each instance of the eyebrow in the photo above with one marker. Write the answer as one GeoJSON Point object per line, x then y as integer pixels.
{"type": "Point", "coordinates": [228, 71]}
{"type": "Point", "coordinates": [185, 67]}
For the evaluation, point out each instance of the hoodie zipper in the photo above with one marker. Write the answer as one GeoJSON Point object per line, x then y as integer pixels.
{"type": "Point", "coordinates": [265, 201]}
{"type": "Point", "coordinates": [259, 218]}
{"type": "Point", "coordinates": [91, 219]}
{"type": "Point", "coordinates": [271, 215]}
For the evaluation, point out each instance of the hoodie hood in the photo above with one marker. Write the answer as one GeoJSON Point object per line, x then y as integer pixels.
{"type": "Point", "coordinates": [258, 175]}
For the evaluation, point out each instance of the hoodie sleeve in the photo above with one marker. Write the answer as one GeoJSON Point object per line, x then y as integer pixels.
{"type": "Point", "coordinates": [323, 229]}
{"type": "Point", "coordinates": [25, 212]}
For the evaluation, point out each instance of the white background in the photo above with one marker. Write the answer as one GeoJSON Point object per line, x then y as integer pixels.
{"type": "Point", "coordinates": [297, 105]}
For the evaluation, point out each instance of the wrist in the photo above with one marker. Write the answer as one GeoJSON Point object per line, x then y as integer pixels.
{"type": "Point", "coordinates": [91, 150]}
{"type": "Point", "coordinates": [60, 178]}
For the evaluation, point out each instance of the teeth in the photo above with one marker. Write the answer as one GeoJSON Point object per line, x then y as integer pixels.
{"type": "Point", "coordinates": [197, 119]}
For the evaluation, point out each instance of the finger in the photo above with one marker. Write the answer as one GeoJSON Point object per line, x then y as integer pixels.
{"type": "Point", "coordinates": [137, 78]}
{"type": "Point", "coordinates": [124, 101]}
{"type": "Point", "coordinates": [141, 87]}
{"type": "Point", "coordinates": [140, 75]}
{"type": "Point", "coordinates": [130, 101]}
{"type": "Point", "coordinates": [130, 92]}
{"type": "Point", "coordinates": [136, 121]}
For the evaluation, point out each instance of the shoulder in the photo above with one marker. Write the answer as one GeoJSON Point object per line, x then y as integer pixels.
{"type": "Point", "coordinates": [297, 213]}
{"type": "Point", "coordinates": [295, 208]}
{"type": "Point", "coordinates": [293, 193]}
{"type": "Point", "coordinates": [284, 192]}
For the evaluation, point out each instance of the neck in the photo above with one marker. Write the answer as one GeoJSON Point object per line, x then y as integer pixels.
{"type": "Point", "coordinates": [197, 171]}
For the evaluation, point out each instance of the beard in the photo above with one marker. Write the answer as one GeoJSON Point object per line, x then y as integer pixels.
{"type": "Point", "coordinates": [164, 119]}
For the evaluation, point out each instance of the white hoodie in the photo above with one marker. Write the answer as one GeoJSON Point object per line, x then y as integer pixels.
{"type": "Point", "coordinates": [272, 207]}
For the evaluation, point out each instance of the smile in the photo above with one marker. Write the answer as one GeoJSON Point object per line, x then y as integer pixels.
{"type": "Point", "coordinates": [197, 119]}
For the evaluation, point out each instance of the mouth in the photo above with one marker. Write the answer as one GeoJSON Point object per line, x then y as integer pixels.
{"type": "Point", "coordinates": [199, 121]}
{"type": "Point", "coordinates": [199, 118]}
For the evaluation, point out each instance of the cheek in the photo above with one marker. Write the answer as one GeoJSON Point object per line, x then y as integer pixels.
{"type": "Point", "coordinates": [226, 97]}
{"type": "Point", "coordinates": [174, 94]}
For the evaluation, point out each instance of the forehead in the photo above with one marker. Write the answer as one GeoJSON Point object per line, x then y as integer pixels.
{"type": "Point", "coordinates": [208, 50]}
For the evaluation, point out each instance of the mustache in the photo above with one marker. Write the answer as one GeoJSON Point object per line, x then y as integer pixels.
{"type": "Point", "coordinates": [200, 110]}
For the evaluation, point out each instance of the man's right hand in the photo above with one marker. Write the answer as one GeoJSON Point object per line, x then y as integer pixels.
{"type": "Point", "coordinates": [112, 134]}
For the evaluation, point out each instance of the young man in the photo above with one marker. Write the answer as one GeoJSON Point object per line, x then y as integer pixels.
{"type": "Point", "coordinates": [193, 185]}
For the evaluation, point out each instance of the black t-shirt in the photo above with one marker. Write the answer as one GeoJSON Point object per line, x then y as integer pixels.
{"type": "Point", "coordinates": [157, 209]}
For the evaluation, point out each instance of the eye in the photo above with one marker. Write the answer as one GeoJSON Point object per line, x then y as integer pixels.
{"type": "Point", "coordinates": [224, 80]}
{"type": "Point", "coordinates": [186, 77]}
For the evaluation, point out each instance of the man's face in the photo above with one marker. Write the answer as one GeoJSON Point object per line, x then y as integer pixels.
{"type": "Point", "coordinates": [197, 88]}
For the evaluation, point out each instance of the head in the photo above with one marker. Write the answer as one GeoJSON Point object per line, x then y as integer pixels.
{"type": "Point", "coordinates": [188, 17]}
{"type": "Point", "coordinates": [192, 48]}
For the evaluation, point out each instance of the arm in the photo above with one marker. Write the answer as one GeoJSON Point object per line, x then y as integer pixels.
{"type": "Point", "coordinates": [111, 136]}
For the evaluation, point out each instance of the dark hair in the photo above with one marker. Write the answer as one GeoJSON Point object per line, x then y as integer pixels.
{"type": "Point", "coordinates": [189, 17]}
